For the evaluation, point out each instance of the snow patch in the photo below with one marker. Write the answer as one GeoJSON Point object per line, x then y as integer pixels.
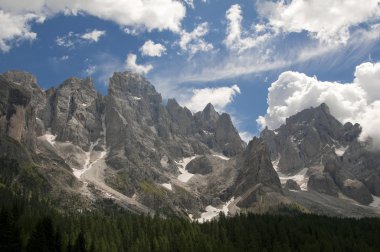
{"type": "Point", "coordinates": [208, 132]}
{"type": "Point", "coordinates": [185, 175]}
{"type": "Point", "coordinates": [88, 164]}
{"type": "Point", "coordinates": [221, 157]}
{"type": "Point", "coordinates": [49, 137]}
{"type": "Point", "coordinates": [275, 163]}
{"type": "Point", "coordinates": [300, 177]}
{"type": "Point", "coordinates": [167, 186]}
{"type": "Point", "coordinates": [340, 151]}
{"type": "Point", "coordinates": [122, 118]}
{"type": "Point", "coordinates": [212, 212]}
{"type": "Point", "coordinates": [136, 98]}
{"type": "Point", "coordinates": [375, 202]}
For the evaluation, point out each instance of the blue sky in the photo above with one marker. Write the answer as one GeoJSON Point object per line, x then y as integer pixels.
{"type": "Point", "coordinates": [200, 51]}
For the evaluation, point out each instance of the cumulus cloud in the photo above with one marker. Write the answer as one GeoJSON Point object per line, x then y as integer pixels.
{"type": "Point", "coordinates": [326, 20]}
{"type": "Point", "coordinates": [190, 3]}
{"type": "Point", "coordinates": [131, 64]}
{"type": "Point", "coordinates": [235, 39]}
{"type": "Point", "coordinates": [151, 49]}
{"type": "Point", "coordinates": [15, 28]}
{"type": "Point", "coordinates": [93, 35]}
{"type": "Point", "coordinates": [193, 41]}
{"type": "Point", "coordinates": [355, 102]}
{"type": "Point", "coordinates": [137, 14]}
{"type": "Point", "coordinates": [219, 97]}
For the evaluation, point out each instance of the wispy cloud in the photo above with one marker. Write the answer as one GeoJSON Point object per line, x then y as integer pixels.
{"type": "Point", "coordinates": [71, 39]}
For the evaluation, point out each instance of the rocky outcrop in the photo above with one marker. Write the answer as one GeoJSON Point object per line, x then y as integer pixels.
{"type": "Point", "coordinates": [373, 184]}
{"type": "Point", "coordinates": [201, 165]}
{"type": "Point", "coordinates": [74, 112]}
{"type": "Point", "coordinates": [17, 115]}
{"type": "Point", "coordinates": [255, 167]}
{"type": "Point", "coordinates": [315, 140]}
{"type": "Point", "coordinates": [355, 189]}
{"type": "Point", "coordinates": [306, 138]}
{"type": "Point", "coordinates": [323, 183]}
{"type": "Point", "coordinates": [290, 184]}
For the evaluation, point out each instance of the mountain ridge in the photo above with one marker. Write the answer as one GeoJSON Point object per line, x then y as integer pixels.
{"type": "Point", "coordinates": [130, 148]}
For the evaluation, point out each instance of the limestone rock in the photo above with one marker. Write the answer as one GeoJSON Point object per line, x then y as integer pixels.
{"type": "Point", "coordinates": [254, 166]}
{"type": "Point", "coordinates": [290, 184]}
{"type": "Point", "coordinates": [200, 165]}
{"type": "Point", "coordinates": [323, 183]}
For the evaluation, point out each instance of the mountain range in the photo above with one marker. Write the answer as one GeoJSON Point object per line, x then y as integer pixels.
{"type": "Point", "coordinates": [132, 150]}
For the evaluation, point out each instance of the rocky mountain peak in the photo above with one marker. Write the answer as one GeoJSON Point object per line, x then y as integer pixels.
{"type": "Point", "coordinates": [127, 84]}
{"type": "Point", "coordinates": [77, 83]}
{"type": "Point", "coordinates": [28, 80]}
{"type": "Point", "coordinates": [317, 116]}
{"type": "Point", "coordinates": [209, 113]}
{"type": "Point", "coordinates": [172, 102]}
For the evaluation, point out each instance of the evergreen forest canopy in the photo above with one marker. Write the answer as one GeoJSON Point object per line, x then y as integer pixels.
{"type": "Point", "coordinates": [30, 224]}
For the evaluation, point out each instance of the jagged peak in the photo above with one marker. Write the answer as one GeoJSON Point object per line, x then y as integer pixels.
{"type": "Point", "coordinates": [209, 108]}
{"type": "Point", "coordinates": [325, 108]}
{"type": "Point", "coordinates": [172, 102]}
{"type": "Point", "coordinates": [311, 114]}
{"type": "Point", "coordinates": [21, 77]}
{"type": "Point", "coordinates": [209, 112]}
{"type": "Point", "coordinates": [130, 83]}
{"type": "Point", "coordinates": [77, 83]}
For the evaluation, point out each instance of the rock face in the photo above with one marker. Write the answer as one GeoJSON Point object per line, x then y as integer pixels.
{"type": "Point", "coordinates": [78, 147]}
{"type": "Point", "coordinates": [306, 138]}
{"type": "Point", "coordinates": [290, 184]}
{"type": "Point", "coordinates": [17, 115]}
{"type": "Point", "coordinates": [141, 131]}
{"type": "Point", "coordinates": [255, 174]}
{"type": "Point", "coordinates": [135, 142]}
{"type": "Point", "coordinates": [323, 183]}
{"type": "Point", "coordinates": [201, 165]}
{"type": "Point", "coordinates": [35, 168]}
{"type": "Point", "coordinates": [331, 152]}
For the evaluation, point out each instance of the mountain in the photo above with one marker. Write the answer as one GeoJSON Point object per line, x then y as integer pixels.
{"type": "Point", "coordinates": [325, 156]}
{"type": "Point", "coordinates": [128, 148]}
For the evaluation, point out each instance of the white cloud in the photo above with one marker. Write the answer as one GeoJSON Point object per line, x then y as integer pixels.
{"type": "Point", "coordinates": [235, 39]}
{"type": "Point", "coordinates": [246, 136]}
{"type": "Point", "coordinates": [355, 102]}
{"type": "Point", "coordinates": [151, 14]}
{"type": "Point", "coordinates": [71, 39]}
{"type": "Point", "coordinates": [64, 58]}
{"type": "Point", "coordinates": [219, 97]}
{"type": "Point", "coordinates": [151, 49]}
{"type": "Point", "coordinates": [190, 3]}
{"type": "Point", "coordinates": [193, 42]}
{"type": "Point", "coordinates": [93, 35]}
{"type": "Point", "coordinates": [329, 21]}
{"type": "Point", "coordinates": [136, 14]}
{"type": "Point", "coordinates": [15, 28]}
{"type": "Point", "coordinates": [367, 76]}
{"type": "Point", "coordinates": [90, 70]}
{"type": "Point", "coordinates": [131, 64]}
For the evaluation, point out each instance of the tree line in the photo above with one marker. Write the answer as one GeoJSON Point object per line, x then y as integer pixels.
{"type": "Point", "coordinates": [30, 224]}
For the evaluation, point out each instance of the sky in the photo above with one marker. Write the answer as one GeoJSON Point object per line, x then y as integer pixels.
{"type": "Point", "coordinates": [259, 60]}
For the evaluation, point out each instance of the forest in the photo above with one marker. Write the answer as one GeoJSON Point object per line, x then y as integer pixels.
{"type": "Point", "coordinates": [28, 223]}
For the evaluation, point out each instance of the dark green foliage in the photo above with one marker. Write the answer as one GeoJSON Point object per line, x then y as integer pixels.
{"type": "Point", "coordinates": [30, 224]}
